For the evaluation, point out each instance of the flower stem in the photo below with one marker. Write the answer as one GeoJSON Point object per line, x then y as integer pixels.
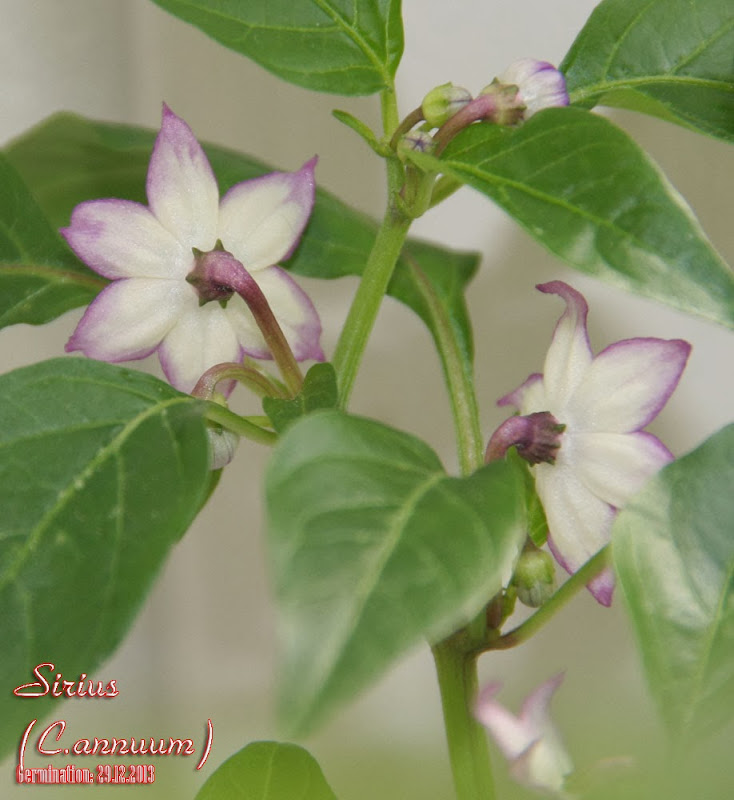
{"type": "Point", "coordinates": [548, 610]}
{"type": "Point", "coordinates": [261, 384]}
{"type": "Point", "coordinates": [457, 373]}
{"type": "Point", "coordinates": [457, 679]}
{"type": "Point", "coordinates": [239, 425]}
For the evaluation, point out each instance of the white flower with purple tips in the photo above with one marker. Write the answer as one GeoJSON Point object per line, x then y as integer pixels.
{"type": "Point", "coordinates": [528, 741]}
{"type": "Point", "coordinates": [540, 85]}
{"type": "Point", "coordinates": [148, 252]}
{"type": "Point", "coordinates": [596, 407]}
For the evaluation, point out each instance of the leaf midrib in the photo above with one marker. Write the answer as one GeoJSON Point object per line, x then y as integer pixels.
{"type": "Point", "coordinates": [603, 87]}
{"type": "Point", "coordinates": [112, 448]}
{"type": "Point", "coordinates": [332, 656]}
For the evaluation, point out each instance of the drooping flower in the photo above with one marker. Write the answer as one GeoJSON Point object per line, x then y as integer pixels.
{"type": "Point", "coordinates": [529, 741]}
{"type": "Point", "coordinates": [148, 252]}
{"type": "Point", "coordinates": [540, 85]}
{"type": "Point", "coordinates": [596, 408]}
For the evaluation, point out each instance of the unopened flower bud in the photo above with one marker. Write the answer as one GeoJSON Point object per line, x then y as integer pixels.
{"type": "Point", "coordinates": [222, 443]}
{"type": "Point", "coordinates": [441, 103]}
{"type": "Point", "coordinates": [539, 85]}
{"type": "Point", "coordinates": [415, 141]}
{"type": "Point", "coordinates": [222, 447]}
{"type": "Point", "coordinates": [534, 577]}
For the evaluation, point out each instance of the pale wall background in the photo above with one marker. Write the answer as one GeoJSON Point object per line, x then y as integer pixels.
{"type": "Point", "coordinates": [203, 645]}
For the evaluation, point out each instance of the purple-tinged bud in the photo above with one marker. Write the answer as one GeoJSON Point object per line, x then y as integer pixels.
{"type": "Point", "coordinates": [539, 85]}
{"type": "Point", "coordinates": [534, 577]}
{"type": "Point", "coordinates": [441, 103]}
{"type": "Point", "coordinates": [537, 438]}
{"type": "Point", "coordinates": [415, 141]}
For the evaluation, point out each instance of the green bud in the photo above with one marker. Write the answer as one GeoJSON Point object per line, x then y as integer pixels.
{"type": "Point", "coordinates": [441, 103]}
{"type": "Point", "coordinates": [534, 577]}
{"type": "Point", "coordinates": [415, 141]}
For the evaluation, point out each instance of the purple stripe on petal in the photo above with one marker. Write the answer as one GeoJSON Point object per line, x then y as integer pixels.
{"type": "Point", "coordinates": [627, 384]}
{"type": "Point", "coordinates": [569, 354]}
{"type": "Point", "coordinates": [516, 397]}
{"type": "Point", "coordinates": [122, 239]}
{"type": "Point", "coordinates": [129, 319]}
{"type": "Point", "coordinates": [261, 220]}
{"type": "Point", "coordinates": [182, 189]}
{"type": "Point", "coordinates": [602, 587]}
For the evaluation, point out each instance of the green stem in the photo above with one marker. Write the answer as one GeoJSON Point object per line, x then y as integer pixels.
{"type": "Point", "coordinates": [367, 300]}
{"type": "Point", "coordinates": [378, 269]}
{"type": "Point", "coordinates": [458, 376]}
{"type": "Point", "coordinates": [239, 425]}
{"type": "Point", "coordinates": [548, 610]}
{"type": "Point", "coordinates": [468, 753]}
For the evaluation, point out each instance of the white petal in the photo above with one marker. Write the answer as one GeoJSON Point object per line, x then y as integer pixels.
{"type": "Point", "coordinates": [544, 766]}
{"type": "Point", "coordinates": [512, 735]}
{"type": "Point", "coordinates": [292, 308]}
{"type": "Point", "coordinates": [614, 466]}
{"type": "Point", "coordinates": [122, 239]}
{"type": "Point", "coordinates": [569, 354]}
{"type": "Point", "coordinates": [129, 319]}
{"type": "Point", "coordinates": [627, 384]}
{"type": "Point", "coordinates": [536, 707]}
{"type": "Point", "coordinates": [529, 397]}
{"type": "Point", "coordinates": [201, 338]}
{"type": "Point", "coordinates": [261, 220]}
{"type": "Point", "coordinates": [579, 522]}
{"type": "Point", "coordinates": [182, 189]}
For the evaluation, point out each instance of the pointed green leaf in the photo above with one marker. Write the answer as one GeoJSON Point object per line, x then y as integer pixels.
{"type": "Point", "coordinates": [669, 58]}
{"type": "Point", "coordinates": [268, 771]}
{"type": "Point", "coordinates": [674, 555]}
{"type": "Point", "coordinates": [373, 548]}
{"type": "Point", "coordinates": [585, 190]}
{"type": "Point", "coordinates": [341, 46]}
{"type": "Point", "coordinates": [68, 159]}
{"type": "Point", "coordinates": [102, 469]}
{"type": "Point", "coordinates": [39, 276]}
{"type": "Point", "coordinates": [319, 391]}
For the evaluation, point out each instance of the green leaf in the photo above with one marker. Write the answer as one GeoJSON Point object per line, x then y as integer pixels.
{"type": "Point", "coordinates": [319, 391]}
{"type": "Point", "coordinates": [39, 276]}
{"type": "Point", "coordinates": [68, 159]}
{"type": "Point", "coordinates": [346, 47]}
{"type": "Point", "coordinates": [373, 548]}
{"type": "Point", "coordinates": [587, 192]}
{"type": "Point", "coordinates": [268, 771]}
{"type": "Point", "coordinates": [674, 555]}
{"type": "Point", "coordinates": [669, 58]}
{"type": "Point", "coordinates": [102, 469]}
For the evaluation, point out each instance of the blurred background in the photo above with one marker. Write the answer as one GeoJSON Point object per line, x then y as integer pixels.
{"type": "Point", "coordinates": [203, 645]}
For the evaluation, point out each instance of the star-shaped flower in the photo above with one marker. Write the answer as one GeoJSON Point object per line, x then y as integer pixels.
{"type": "Point", "coordinates": [148, 252]}
{"type": "Point", "coordinates": [529, 741]}
{"type": "Point", "coordinates": [596, 408]}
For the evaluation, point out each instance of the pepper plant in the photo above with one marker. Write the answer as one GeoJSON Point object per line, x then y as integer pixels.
{"type": "Point", "coordinates": [194, 252]}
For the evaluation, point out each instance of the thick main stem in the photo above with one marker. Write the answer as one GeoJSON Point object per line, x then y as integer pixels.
{"type": "Point", "coordinates": [457, 680]}
{"type": "Point", "coordinates": [367, 300]}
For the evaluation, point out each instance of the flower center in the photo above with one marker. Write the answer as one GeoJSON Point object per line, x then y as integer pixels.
{"type": "Point", "coordinates": [203, 278]}
{"type": "Point", "coordinates": [537, 438]}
